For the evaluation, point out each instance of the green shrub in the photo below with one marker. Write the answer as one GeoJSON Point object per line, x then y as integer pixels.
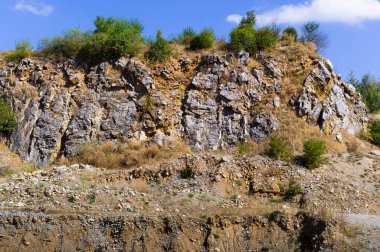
{"type": "Point", "coordinates": [290, 32]}
{"type": "Point", "coordinates": [292, 189]}
{"type": "Point", "coordinates": [243, 148]}
{"type": "Point", "coordinates": [246, 38]}
{"type": "Point", "coordinates": [374, 132]}
{"type": "Point", "coordinates": [22, 50]}
{"type": "Point", "coordinates": [112, 39]}
{"type": "Point", "coordinates": [71, 199]}
{"type": "Point", "coordinates": [185, 37]}
{"type": "Point", "coordinates": [264, 38]}
{"type": "Point", "coordinates": [242, 38]}
{"type": "Point", "coordinates": [66, 46]}
{"type": "Point", "coordinates": [7, 117]}
{"type": "Point", "coordinates": [279, 149]}
{"type": "Point", "coordinates": [369, 88]}
{"type": "Point", "coordinates": [249, 19]}
{"type": "Point", "coordinates": [159, 50]}
{"type": "Point", "coordinates": [313, 153]}
{"type": "Point", "coordinates": [204, 40]}
{"type": "Point", "coordinates": [91, 197]}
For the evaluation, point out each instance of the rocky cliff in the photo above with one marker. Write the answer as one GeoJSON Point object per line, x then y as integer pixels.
{"type": "Point", "coordinates": [211, 100]}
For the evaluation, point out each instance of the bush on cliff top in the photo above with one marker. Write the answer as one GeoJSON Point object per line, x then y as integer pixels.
{"type": "Point", "coordinates": [204, 40]}
{"type": "Point", "coordinates": [246, 38]}
{"type": "Point", "coordinates": [290, 32]}
{"type": "Point", "coordinates": [159, 50]}
{"type": "Point", "coordinates": [66, 46]}
{"type": "Point", "coordinates": [112, 39]}
{"type": "Point", "coordinates": [185, 36]}
{"type": "Point", "coordinates": [22, 50]}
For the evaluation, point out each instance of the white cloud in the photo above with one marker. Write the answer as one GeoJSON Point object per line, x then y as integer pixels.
{"type": "Point", "coordinates": [35, 8]}
{"type": "Point", "coordinates": [329, 11]}
{"type": "Point", "coordinates": [234, 18]}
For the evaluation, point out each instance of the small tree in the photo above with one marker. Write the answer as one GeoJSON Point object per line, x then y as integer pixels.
{"type": "Point", "coordinates": [311, 33]}
{"type": "Point", "coordinates": [279, 149]}
{"type": "Point", "coordinates": [246, 38]}
{"type": "Point", "coordinates": [249, 19]}
{"type": "Point", "coordinates": [204, 40]}
{"type": "Point", "coordinates": [112, 39]}
{"type": "Point", "coordinates": [290, 32]}
{"type": "Point", "coordinates": [22, 50]}
{"type": "Point", "coordinates": [264, 38]}
{"type": "Point", "coordinates": [159, 50]}
{"type": "Point", "coordinates": [7, 117]}
{"type": "Point", "coordinates": [313, 150]}
{"type": "Point", "coordinates": [242, 38]}
{"type": "Point", "coordinates": [185, 37]}
{"type": "Point", "coordinates": [293, 189]}
{"type": "Point", "coordinates": [374, 132]}
{"type": "Point", "coordinates": [369, 88]}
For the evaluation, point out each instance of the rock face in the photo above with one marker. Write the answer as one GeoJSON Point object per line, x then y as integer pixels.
{"type": "Point", "coordinates": [223, 101]}
{"type": "Point", "coordinates": [331, 103]}
{"type": "Point", "coordinates": [217, 103]}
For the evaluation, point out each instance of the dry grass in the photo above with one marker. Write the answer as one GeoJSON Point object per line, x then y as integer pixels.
{"type": "Point", "coordinates": [111, 155]}
{"type": "Point", "coordinates": [296, 130]}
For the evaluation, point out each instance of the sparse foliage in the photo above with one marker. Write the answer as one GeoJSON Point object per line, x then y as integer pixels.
{"type": "Point", "coordinates": [311, 33]}
{"type": "Point", "coordinates": [249, 19]}
{"type": "Point", "coordinates": [112, 155]}
{"type": "Point", "coordinates": [66, 46]}
{"type": "Point", "coordinates": [22, 50]}
{"type": "Point", "coordinates": [185, 37]}
{"type": "Point", "coordinates": [7, 117]}
{"type": "Point", "coordinates": [290, 32]}
{"type": "Point", "coordinates": [314, 150]}
{"type": "Point", "coordinates": [243, 148]}
{"type": "Point", "coordinates": [293, 189]}
{"type": "Point", "coordinates": [159, 50]}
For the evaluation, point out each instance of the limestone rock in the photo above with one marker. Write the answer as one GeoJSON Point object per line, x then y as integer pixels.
{"type": "Point", "coordinates": [329, 102]}
{"type": "Point", "coordinates": [211, 102]}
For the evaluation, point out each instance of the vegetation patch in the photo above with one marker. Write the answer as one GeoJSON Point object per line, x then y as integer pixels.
{"type": "Point", "coordinates": [204, 40]}
{"type": "Point", "coordinates": [113, 155]}
{"type": "Point", "coordinates": [314, 150]}
{"type": "Point", "coordinates": [22, 50]}
{"type": "Point", "coordinates": [279, 149]}
{"type": "Point", "coordinates": [7, 117]}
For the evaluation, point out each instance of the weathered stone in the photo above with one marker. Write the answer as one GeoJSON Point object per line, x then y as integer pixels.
{"type": "Point", "coordinates": [340, 109]}
{"type": "Point", "coordinates": [60, 106]}
{"type": "Point", "coordinates": [243, 58]}
{"type": "Point", "coordinates": [262, 126]}
{"type": "Point", "coordinates": [276, 102]}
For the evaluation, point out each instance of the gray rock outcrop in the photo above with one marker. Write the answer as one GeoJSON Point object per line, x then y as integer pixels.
{"type": "Point", "coordinates": [61, 106]}
{"type": "Point", "coordinates": [331, 103]}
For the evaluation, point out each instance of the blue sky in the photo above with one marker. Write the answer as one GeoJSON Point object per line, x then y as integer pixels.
{"type": "Point", "coordinates": [353, 26]}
